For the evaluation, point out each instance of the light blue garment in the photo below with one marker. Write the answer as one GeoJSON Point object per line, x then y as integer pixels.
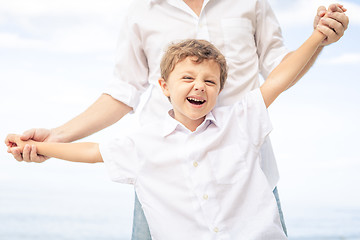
{"type": "Point", "coordinates": [282, 220]}
{"type": "Point", "coordinates": [141, 227]}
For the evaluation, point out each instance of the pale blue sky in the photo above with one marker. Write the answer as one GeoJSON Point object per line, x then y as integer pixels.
{"type": "Point", "coordinates": [56, 56]}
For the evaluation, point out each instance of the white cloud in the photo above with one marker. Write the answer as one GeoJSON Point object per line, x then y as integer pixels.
{"type": "Point", "coordinates": [83, 38]}
{"type": "Point", "coordinates": [39, 8]}
{"type": "Point", "coordinates": [302, 12]}
{"type": "Point", "coordinates": [9, 40]}
{"type": "Point", "coordinates": [73, 39]}
{"type": "Point", "coordinates": [61, 26]}
{"type": "Point", "coordinates": [353, 12]}
{"type": "Point", "coordinates": [347, 58]}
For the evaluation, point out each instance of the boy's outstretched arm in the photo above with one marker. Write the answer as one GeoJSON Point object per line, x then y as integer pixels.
{"type": "Point", "coordinates": [74, 152]}
{"type": "Point", "coordinates": [288, 70]}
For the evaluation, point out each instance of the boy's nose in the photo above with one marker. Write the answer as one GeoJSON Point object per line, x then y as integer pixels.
{"type": "Point", "coordinates": [199, 86]}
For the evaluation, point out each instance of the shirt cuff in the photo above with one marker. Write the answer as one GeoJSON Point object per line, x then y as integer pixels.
{"type": "Point", "coordinates": [124, 93]}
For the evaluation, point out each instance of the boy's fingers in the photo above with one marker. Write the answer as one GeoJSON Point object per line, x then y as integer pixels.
{"type": "Point", "coordinates": [337, 8]}
{"type": "Point", "coordinates": [10, 138]}
{"type": "Point", "coordinates": [7, 140]}
{"type": "Point", "coordinates": [321, 11]}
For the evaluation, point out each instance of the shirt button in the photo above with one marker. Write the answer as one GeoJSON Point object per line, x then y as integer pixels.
{"type": "Point", "coordinates": [195, 164]}
{"type": "Point", "coordinates": [205, 196]}
{"type": "Point", "coordinates": [216, 230]}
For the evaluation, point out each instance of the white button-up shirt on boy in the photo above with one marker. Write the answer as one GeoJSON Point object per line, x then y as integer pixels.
{"type": "Point", "coordinates": [205, 184]}
{"type": "Point", "coordinates": [246, 32]}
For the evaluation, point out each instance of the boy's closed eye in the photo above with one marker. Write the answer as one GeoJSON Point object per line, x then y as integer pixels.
{"type": "Point", "coordinates": [210, 82]}
{"type": "Point", "coordinates": [188, 78]}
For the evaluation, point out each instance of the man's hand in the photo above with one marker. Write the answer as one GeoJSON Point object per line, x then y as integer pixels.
{"type": "Point", "coordinates": [29, 153]}
{"type": "Point", "coordinates": [332, 22]}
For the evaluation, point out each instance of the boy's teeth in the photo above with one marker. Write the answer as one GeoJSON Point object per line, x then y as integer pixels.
{"type": "Point", "coordinates": [197, 100]}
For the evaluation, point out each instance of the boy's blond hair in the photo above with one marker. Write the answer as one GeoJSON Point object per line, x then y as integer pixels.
{"type": "Point", "coordinates": [200, 49]}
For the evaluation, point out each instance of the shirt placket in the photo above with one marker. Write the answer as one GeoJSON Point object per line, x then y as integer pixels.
{"type": "Point", "coordinates": [204, 187]}
{"type": "Point", "coordinates": [202, 31]}
{"type": "Point", "coordinates": [200, 23]}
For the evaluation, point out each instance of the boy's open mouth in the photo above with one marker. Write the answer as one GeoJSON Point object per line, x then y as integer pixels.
{"type": "Point", "coordinates": [195, 101]}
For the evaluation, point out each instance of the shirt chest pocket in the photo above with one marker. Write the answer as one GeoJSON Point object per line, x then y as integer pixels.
{"type": "Point", "coordinates": [228, 164]}
{"type": "Point", "coordinates": [239, 39]}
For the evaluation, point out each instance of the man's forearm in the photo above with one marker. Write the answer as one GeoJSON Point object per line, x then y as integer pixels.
{"type": "Point", "coordinates": [308, 65]}
{"type": "Point", "coordinates": [101, 114]}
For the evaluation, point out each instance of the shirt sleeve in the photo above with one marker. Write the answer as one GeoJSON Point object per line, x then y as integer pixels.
{"type": "Point", "coordinates": [130, 78]}
{"type": "Point", "coordinates": [269, 40]}
{"type": "Point", "coordinates": [121, 159]}
{"type": "Point", "coordinates": [254, 116]}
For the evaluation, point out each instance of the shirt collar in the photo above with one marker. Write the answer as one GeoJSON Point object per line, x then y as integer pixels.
{"type": "Point", "coordinates": [153, 1]}
{"type": "Point", "coordinates": [157, 1]}
{"type": "Point", "coordinates": [171, 124]}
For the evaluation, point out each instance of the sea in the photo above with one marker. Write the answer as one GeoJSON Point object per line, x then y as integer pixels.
{"type": "Point", "coordinates": [76, 202]}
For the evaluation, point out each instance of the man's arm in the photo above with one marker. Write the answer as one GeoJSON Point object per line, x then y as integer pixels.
{"type": "Point", "coordinates": [288, 70]}
{"type": "Point", "coordinates": [129, 82]}
{"type": "Point", "coordinates": [101, 114]}
{"type": "Point", "coordinates": [74, 152]}
{"type": "Point", "coordinates": [104, 112]}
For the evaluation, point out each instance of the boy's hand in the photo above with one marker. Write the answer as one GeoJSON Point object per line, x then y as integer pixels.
{"type": "Point", "coordinates": [29, 153]}
{"type": "Point", "coordinates": [14, 143]}
{"type": "Point", "coordinates": [332, 22]}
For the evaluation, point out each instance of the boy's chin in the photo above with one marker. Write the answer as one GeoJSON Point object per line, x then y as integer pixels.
{"type": "Point", "coordinates": [197, 118]}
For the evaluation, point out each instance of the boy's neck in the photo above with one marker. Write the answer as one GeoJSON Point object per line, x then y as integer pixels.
{"type": "Point", "coordinates": [190, 124]}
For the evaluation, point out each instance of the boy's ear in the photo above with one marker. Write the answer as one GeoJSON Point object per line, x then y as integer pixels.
{"type": "Point", "coordinates": [164, 87]}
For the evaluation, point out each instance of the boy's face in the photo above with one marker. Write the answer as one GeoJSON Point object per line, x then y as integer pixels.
{"type": "Point", "coordinates": [193, 89]}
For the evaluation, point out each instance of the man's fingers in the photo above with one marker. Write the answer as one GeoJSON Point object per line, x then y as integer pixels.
{"type": "Point", "coordinates": [35, 157]}
{"type": "Point", "coordinates": [40, 159]}
{"type": "Point", "coordinates": [16, 153]}
{"type": "Point", "coordinates": [339, 17]}
{"type": "Point", "coordinates": [26, 153]}
{"type": "Point", "coordinates": [37, 134]}
{"type": "Point", "coordinates": [33, 154]}
{"type": "Point", "coordinates": [29, 134]}
{"type": "Point", "coordinates": [29, 154]}
{"type": "Point", "coordinates": [333, 24]}
{"type": "Point", "coordinates": [336, 26]}
{"type": "Point", "coordinates": [331, 36]}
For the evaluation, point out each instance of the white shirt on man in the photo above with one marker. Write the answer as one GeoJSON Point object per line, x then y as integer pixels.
{"type": "Point", "coordinates": [205, 184]}
{"type": "Point", "coordinates": [246, 32]}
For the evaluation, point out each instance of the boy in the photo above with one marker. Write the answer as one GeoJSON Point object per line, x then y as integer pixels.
{"type": "Point", "coordinates": [197, 174]}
